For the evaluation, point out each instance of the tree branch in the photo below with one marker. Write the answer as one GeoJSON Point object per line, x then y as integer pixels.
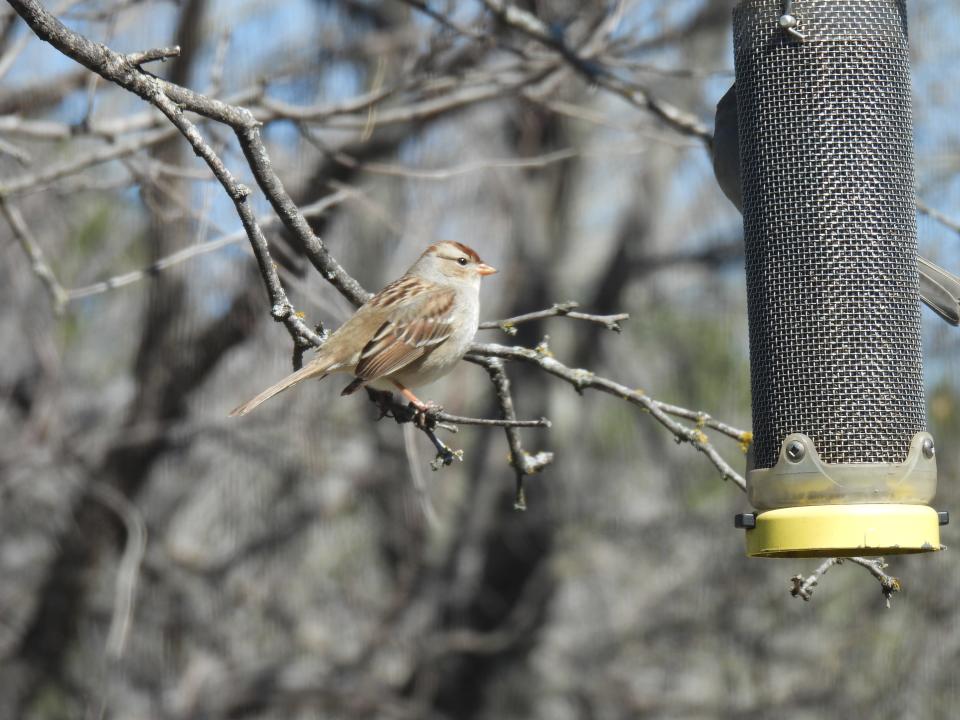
{"type": "Point", "coordinates": [282, 310]}
{"type": "Point", "coordinates": [188, 253]}
{"type": "Point", "coordinates": [876, 566]}
{"type": "Point", "coordinates": [38, 263]}
{"type": "Point", "coordinates": [435, 418]}
{"type": "Point", "coordinates": [565, 309]}
{"type": "Point", "coordinates": [803, 587]}
{"type": "Point", "coordinates": [582, 379]}
{"type": "Point", "coordinates": [172, 100]}
{"type": "Point", "coordinates": [523, 463]}
{"type": "Point", "coordinates": [596, 73]}
{"type": "Point", "coordinates": [938, 216]}
{"type": "Point", "coordinates": [128, 573]}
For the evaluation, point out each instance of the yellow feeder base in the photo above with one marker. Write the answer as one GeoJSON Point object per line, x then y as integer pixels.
{"type": "Point", "coordinates": [844, 531]}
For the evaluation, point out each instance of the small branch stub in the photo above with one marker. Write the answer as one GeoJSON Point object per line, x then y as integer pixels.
{"type": "Point", "coordinates": [147, 56]}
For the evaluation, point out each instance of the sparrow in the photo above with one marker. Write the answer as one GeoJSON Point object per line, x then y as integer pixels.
{"type": "Point", "coordinates": [939, 288]}
{"type": "Point", "coordinates": [409, 334]}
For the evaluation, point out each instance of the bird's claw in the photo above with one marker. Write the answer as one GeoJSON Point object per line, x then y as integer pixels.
{"type": "Point", "coordinates": [425, 414]}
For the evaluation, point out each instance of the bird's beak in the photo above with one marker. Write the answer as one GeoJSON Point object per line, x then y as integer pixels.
{"type": "Point", "coordinates": [484, 269]}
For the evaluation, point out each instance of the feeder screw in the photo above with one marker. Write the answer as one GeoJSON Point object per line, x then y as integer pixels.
{"type": "Point", "coordinates": [795, 451]}
{"type": "Point", "coordinates": [928, 449]}
{"type": "Point", "coordinates": [788, 22]}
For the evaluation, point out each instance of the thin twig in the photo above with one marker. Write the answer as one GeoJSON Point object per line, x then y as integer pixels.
{"type": "Point", "coordinates": [149, 56]}
{"type": "Point", "coordinates": [433, 418]}
{"type": "Point", "coordinates": [681, 72]}
{"type": "Point", "coordinates": [803, 586]}
{"type": "Point", "coordinates": [446, 22]}
{"type": "Point", "coordinates": [293, 219]}
{"type": "Point", "coordinates": [440, 174]}
{"type": "Point", "coordinates": [564, 309]}
{"type": "Point", "coordinates": [523, 463]}
{"type": "Point", "coordinates": [129, 570]}
{"type": "Point", "coordinates": [94, 79]}
{"type": "Point", "coordinates": [108, 128]}
{"type": "Point", "coordinates": [582, 379]}
{"type": "Point", "coordinates": [876, 566]}
{"type": "Point", "coordinates": [417, 478]}
{"type": "Point", "coordinates": [493, 422]}
{"type": "Point", "coordinates": [938, 216]}
{"type": "Point", "coordinates": [16, 48]}
{"type": "Point", "coordinates": [596, 73]}
{"type": "Point", "coordinates": [17, 153]}
{"type": "Point", "coordinates": [38, 263]}
{"type": "Point", "coordinates": [282, 309]}
{"type": "Point", "coordinates": [42, 129]}
{"type": "Point", "coordinates": [173, 100]}
{"type": "Point", "coordinates": [427, 422]}
{"type": "Point", "coordinates": [219, 62]}
{"type": "Point", "coordinates": [102, 154]}
{"type": "Point", "coordinates": [266, 223]}
{"type": "Point", "coordinates": [316, 113]}
{"type": "Point", "coordinates": [744, 437]}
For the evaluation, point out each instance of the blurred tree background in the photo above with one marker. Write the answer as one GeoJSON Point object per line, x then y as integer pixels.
{"type": "Point", "coordinates": [159, 560]}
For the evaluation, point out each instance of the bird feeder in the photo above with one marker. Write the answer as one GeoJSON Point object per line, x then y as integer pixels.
{"type": "Point", "coordinates": [841, 462]}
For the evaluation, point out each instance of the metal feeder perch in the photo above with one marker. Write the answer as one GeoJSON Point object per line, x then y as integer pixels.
{"type": "Point", "coordinates": [841, 462]}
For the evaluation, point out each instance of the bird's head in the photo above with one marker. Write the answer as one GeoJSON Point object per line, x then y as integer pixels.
{"type": "Point", "coordinates": [447, 260]}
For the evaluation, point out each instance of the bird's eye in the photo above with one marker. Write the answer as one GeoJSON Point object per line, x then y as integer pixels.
{"type": "Point", "coordinates": [462, 261]}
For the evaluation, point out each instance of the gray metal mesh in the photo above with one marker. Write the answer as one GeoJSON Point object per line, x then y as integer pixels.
{"type": "Point", "coordinates": [826, 147]}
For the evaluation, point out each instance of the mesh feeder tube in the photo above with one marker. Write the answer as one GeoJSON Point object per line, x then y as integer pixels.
{"type": "Point", "coordinates": [841, 462]}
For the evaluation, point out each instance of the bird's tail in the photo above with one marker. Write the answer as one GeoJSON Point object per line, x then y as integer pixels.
{"type": "Point", "coordinates": [305, 373]}
{"type": "Point", "coordinates": [940, 290]}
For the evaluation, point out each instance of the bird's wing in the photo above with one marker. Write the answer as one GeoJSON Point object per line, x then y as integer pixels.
{"type": "Point", "coordinates": [940, 290]}
{"type": "Point", "coordinates": [414, 328]}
